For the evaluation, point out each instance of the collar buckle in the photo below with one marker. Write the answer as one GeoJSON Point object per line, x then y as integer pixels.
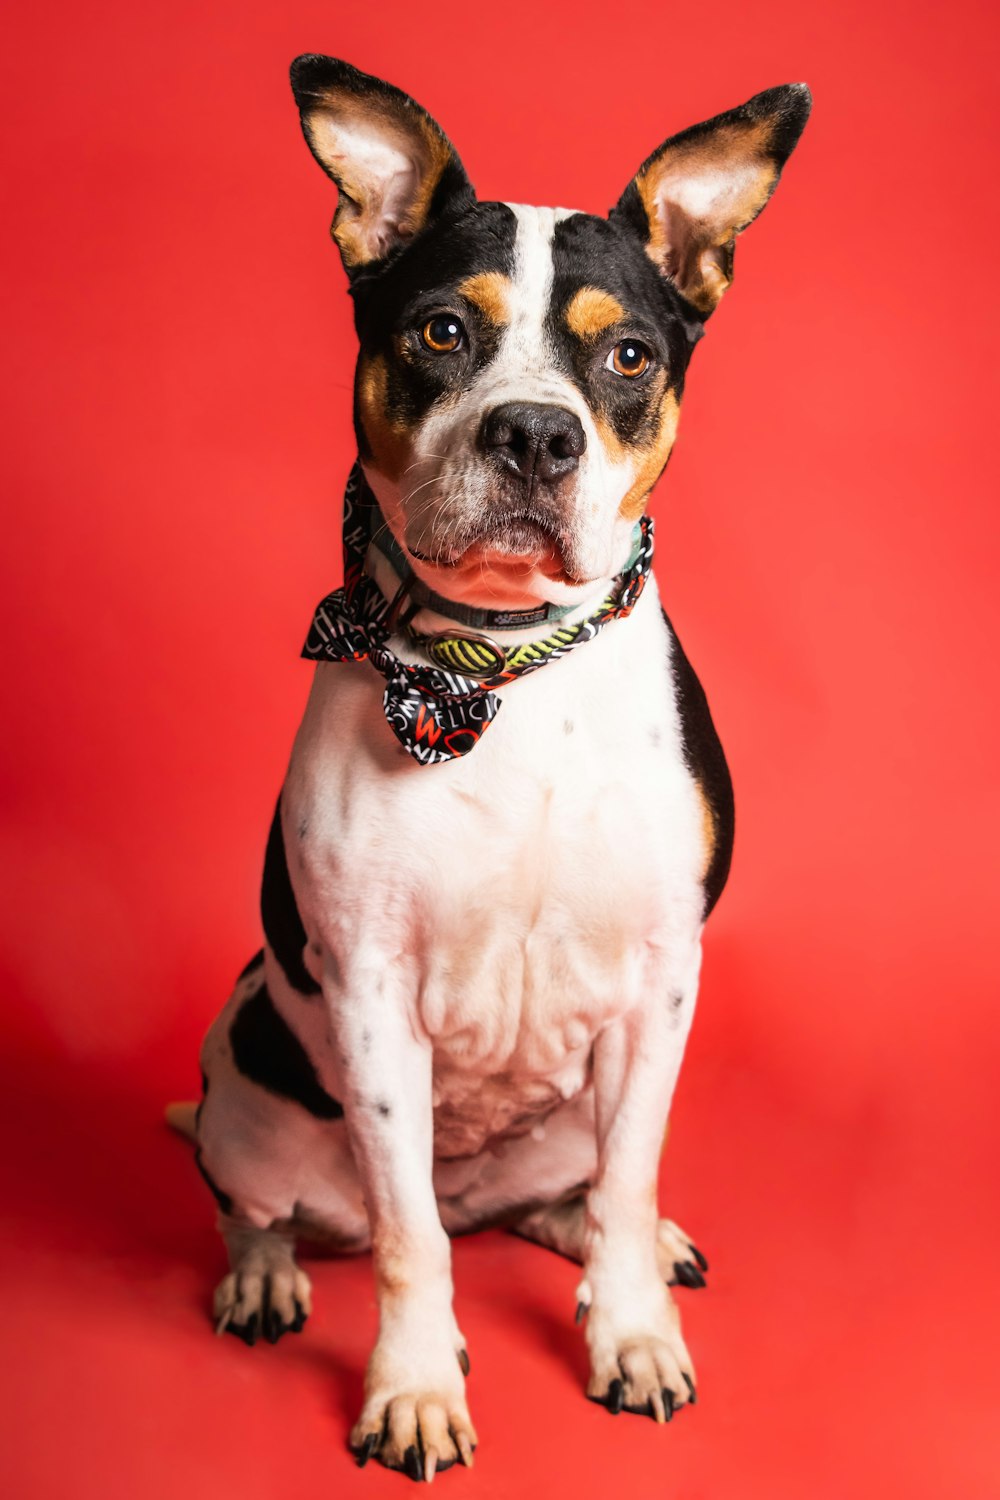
{"type": "Point", "coordinates": [472, 655]}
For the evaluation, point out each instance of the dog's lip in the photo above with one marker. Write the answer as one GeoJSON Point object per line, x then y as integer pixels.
{"type": "Point", "coordinates": [518, 539]}
{"type": "Point", "coordinates": [542, 551]}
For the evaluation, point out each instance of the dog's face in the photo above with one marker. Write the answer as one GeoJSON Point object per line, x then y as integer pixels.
{"type": "Point", "coordinates": [521, 369]}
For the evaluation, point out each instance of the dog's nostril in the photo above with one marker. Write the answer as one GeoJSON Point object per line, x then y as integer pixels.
{"type": "Point", "coordinates": [532, 440]}
{"type": "Point", "coordinates": [567, 444]}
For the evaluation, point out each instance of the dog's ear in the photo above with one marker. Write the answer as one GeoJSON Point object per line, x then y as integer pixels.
{"type": "Point", "coordinates": [393, 165]}
{"type": "Point", "coordinates": [693, 196]}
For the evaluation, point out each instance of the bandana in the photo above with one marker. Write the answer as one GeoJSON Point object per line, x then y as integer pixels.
{"type": "Point", "coordinates": [441, 711]}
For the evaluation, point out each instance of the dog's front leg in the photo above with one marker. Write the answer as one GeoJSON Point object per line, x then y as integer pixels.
{"type": "Point", "coordinates": [414, 1415]}
{"type": "Point", "coordinates": [637, 1355]}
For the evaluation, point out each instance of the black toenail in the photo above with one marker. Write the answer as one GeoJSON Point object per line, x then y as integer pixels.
{"type": "Point", "coordinates": [615, 1397]}
{"type": "Point", "coordinates": [688, 1275]}
{"type": "Point", "coordinates": [463, 1361]}
{"type": "Point", "coordinates": [668, 1403]}
{"type": "Point", "coordinates": [581, 1311]}
{"type": "Point", "coordinates": [703, 1263]}
{"type": "Point", "coordinates": [414, 1463]}
{"type": "Point", "coordinates": [367, 1448]}
{"type": "Point", "coordinates": [690, 1385]}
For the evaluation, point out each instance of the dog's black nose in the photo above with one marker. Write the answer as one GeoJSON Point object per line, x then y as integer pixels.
{"type": "Point", "coordinates": [533, 440]}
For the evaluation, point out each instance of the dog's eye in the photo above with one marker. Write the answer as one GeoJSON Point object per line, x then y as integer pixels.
{"type": "Point", "coordinates": [629, 358]}
{"type": "Point", "coordinates": [443, 334]}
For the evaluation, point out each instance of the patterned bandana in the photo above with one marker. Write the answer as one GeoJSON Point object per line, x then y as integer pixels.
{"type": "Point", "coordinates": [437, 713]}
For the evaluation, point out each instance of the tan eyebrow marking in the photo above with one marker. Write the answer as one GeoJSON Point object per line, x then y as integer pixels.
{"type": "Point", "coordinates": [591, 311]}
{"type": "Point", "coordinates": [489, 291]}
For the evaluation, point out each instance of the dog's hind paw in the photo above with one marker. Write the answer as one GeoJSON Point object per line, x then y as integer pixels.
{"type": "Point", "coordinates": [681, 1262]}
{"type": "Point", "coordinates": [263, 1304]}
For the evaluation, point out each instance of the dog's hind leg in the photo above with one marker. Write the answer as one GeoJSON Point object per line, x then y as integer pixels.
{"type": "Point", "coordinates": [561, 1227]}
{"type": "Point", "coordinates": [265, 1293]}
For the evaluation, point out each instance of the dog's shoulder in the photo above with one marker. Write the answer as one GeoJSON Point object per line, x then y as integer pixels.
{"type": "Point", "coordinates": [706, 760]}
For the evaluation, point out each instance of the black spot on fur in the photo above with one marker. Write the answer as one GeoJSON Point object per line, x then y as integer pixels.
{"type": "Point", "coordinates": [280, 915]}
{"type": "Point", "coordinates": [589, 251]}
{"type": "Point", "coordinates": [254, 963]}
{"type": "Point", "coordinates": [222, 1199]}
{"type": "Point", "coordinates": [391, 306]}
{"type": "Point", "coordinates": [201, 1101]}
{"type": "Point", "coordinates": [267, 1051]}
{"type": "Point", "coordinates": [384, 1109]}
{"type": "Point", "coordinates": [706, 761]}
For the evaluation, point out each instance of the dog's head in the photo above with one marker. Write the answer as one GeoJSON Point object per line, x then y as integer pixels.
{"type": "Point", "coordinates": [521, 369]}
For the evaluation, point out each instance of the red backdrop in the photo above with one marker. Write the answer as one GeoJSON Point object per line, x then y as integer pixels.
{"type": "Point", "coordinates": [179, 354]}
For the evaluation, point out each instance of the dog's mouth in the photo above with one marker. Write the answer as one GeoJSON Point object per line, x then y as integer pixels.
{"type": "Point", "coordinates": [516, 543]}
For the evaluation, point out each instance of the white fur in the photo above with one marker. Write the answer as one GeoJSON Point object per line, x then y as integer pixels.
{"type": "Point", "coordinates": [539, 879]}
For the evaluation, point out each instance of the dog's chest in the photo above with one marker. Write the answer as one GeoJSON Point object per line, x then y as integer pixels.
{"type": "Point", "coordinates": [524, 894]}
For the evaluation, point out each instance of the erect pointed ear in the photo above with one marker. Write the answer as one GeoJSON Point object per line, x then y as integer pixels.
{"type": "Point", "coordinates": [393, 165]}
{"type": "Point", "coordinates": [693, 196]}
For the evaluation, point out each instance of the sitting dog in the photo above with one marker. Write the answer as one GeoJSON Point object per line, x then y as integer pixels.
{"type": "Point", "coordinates": [507, 814]}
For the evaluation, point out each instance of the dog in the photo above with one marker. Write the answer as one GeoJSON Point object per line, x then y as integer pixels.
{"type": "Point", "coordinates": [483, 927]}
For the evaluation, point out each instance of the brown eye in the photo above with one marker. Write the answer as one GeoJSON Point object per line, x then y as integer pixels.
{"type": "Point", "coordinates": [629, 358]}
{"type": "Point", "coordinates": [443, 334]}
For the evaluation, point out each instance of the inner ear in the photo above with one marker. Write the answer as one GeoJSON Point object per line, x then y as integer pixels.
{"type": "Point", "coordinates": [701, 188]}
{"type": "Point", "coordinates": [394, 167]}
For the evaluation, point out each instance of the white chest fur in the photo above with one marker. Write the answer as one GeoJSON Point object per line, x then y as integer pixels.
{"type": "Point", "coordinates": [524, 895]}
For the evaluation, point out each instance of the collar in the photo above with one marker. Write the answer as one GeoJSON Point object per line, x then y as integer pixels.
{"type": "Point", "coordinates": [440, 711]}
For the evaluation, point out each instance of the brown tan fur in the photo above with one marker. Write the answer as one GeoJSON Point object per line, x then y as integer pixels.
{"type": "Point", "coordinates": [653, 459]}
{"type": "Point", "coordinates": [708, 835]}
{"type": "Point", "coordinates": [490, 292]}
{"type": "Point", "coordinates": [389, 440]}
{"type": "Point", "coordinates": [591, 311]}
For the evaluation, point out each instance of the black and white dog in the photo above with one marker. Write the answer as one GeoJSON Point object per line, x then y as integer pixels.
{"type": "Point", "coordinates": [483, 928]}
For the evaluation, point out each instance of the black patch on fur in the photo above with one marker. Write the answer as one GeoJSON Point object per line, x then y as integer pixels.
{"type": "Point", "coordinates": [249, 967]}
{"type": "Point", "coordinates": [267, 1051]}
{"type": "Point", "coordinates": [588, 251]}
{"type": "Point", "coordinates": [201, 1101]}
{"type": "Point", "coordinates": [280, 915]}
{"type": "Point", "coordinates": [222, 1199]}
{"type": "Point", "coordinates": [394, 301]}
{"type": "Point", "coordinates": [706, 761]}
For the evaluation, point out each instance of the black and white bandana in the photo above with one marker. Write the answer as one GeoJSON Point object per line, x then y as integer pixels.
{"type": "Point", "coordinates": [438, 714]}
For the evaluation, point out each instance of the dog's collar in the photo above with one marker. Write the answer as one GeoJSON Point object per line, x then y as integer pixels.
{"type": "Point", "coordinates": [441, 711]}
{"type": "Point", "coordinates": [423, 597]}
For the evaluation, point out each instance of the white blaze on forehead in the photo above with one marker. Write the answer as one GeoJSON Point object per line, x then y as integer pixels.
{"type": "Point", "coordinates": [525, 358]}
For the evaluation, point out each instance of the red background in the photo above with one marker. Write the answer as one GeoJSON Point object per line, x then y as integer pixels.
{"type": "Point", "coordinates": [179, 355]}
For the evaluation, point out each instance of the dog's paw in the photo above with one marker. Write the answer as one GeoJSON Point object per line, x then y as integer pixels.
{"type": "Point", "coordinates": [419, 1433]}
{"type": "Point", "coordinates": [255, 1304]}
{"type": "Point", "coordinates": [681, 1262]}
{"type": "Point", "coordinates": [650, 1373]}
